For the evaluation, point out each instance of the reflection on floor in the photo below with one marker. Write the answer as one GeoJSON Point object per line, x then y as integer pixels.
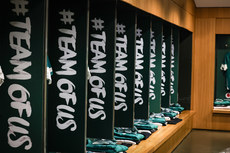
{"type": "Point", "coordinates": [205, 141]}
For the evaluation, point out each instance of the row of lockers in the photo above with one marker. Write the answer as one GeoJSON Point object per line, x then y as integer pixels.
{"type": "Point", "coordinates": [132, 58]}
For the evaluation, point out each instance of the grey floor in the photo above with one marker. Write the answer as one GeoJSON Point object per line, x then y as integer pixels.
{"type": "Point", "coordinates": [205, 141]}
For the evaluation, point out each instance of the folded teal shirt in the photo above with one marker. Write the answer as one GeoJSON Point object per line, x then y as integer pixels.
{"type": "Point", "coordinates": [226, 103]}
{"type": "Point", "coordinates": [127, 136]}
{"type": "Point", "coordinates": [104, 145]}
{"type": "Point", "coordinates": [180, 109]}
{"type": "Point", "coordinates": [144, 125]}
{"type": "Point", "coordinates": [169, 114]}
{"type": "Point", "coordinates": [113, 148]}
{"type": "Point", "coordinates": [157, 120]}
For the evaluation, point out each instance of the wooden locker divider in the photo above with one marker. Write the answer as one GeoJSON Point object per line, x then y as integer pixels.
{"type": "Point", "coordinates": [143, 34]}
{"type": "Point", "coordinates": [67, 51]}
{"type": "Point", "coordinates": [166, 65]}
{"type": "Point", "coordinates": [23, 62]}
{"type": "Point", "coordinates": [125, 66]}
{"type": "Point", "coordinates": [174, 65]}
{"type": "Point", "coordinates": [101, 60]}
{"type": "Point", "coordinates": [155, 66]}
{"type": "Point", "coordinates": [185, 65]}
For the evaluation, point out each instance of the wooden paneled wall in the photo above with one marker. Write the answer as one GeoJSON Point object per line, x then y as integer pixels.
{"type": "Point", "coordinates": [222, 26]}
{"type": "Point", "coordinates": [178, 12]}
{"type": "Point", "coordinates": [208, 23]}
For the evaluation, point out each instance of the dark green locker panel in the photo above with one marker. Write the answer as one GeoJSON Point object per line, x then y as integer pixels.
{"type": "Point", "coordinates": [67, 51]}
{"type": "Point", "coordinates": [185, 68]}
{"type": "Point", "coordinates": [125, 66]}
{"type": "Point", "coordinates": [222, 48]}
{"type": "Point", "coordinates": [174, 65]}
{"type": "Point", "coordinates": [155, 67]}
{"type": "Point", "coordinates": [166, 65]}
{"type": "Point", "coordinates": [101, 60]}
{"type": "Point", "coordinates": [23, 62]}
{"type": "Point", "coordinates": [143, 33]}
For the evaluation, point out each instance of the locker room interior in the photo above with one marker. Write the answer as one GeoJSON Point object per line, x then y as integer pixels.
{"type": "Point", "coordinates": [127, 76]}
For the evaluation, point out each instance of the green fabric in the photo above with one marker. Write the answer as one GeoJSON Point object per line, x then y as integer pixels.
{"type": "Point", "coordinates": [89, 141]}
{"type": "Point", "coordinates": [156, 115]}
{"type": "Point", "coordinates": [175, 105]}
{"type": "Point", "coordinates": [127, 136]}
{"type": "Point", "coordinates": [49, 66]}
{"type": "Point", "coordinates": [133, 130]}
{"type": "Point", "coordinates": [144, 125]}
{"type": "Point", "coordinates": [157, 120]}
{"type": "Point", "coordinates": [136, 137]}
{"type": "Point", "coordinates": [169, 114]}
{"type": "Point", "coordinates": [222, 103]}
{"type": "Point", "coordinates": [104, 145]}
{"type": "Point", "coordinates": [106, 148]}
{"type": "Point", "coordinates": [102, 141]}
{"type": "Point", "coordinates": [180, 109]}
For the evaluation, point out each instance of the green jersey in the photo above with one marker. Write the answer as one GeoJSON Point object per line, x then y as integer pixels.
{"type": "Point", "coordinates": [226, 67]}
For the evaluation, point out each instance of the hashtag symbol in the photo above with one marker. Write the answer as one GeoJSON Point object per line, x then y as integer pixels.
{"type": "Point", "coordinates": [67, 16]}
{"type": "Point", "coordinates": [19, 6]}
{"type": "Point", "coordinates": [120, 28]}
{"type": "Point", "coordinates": [139, 32]}
{"type": "Point", "coordinates": [97, 24]}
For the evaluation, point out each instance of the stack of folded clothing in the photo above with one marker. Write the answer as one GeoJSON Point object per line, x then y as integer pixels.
{"type": "Point", "coordinates": [172, 114]}
{"type": "Point", "coordinates": [169, 112]}
{"type": "Point", "coordinates": [222, 103]}
{"type": "Point", "coordinates": [158, 118]}
{"type": "Point", "coordinates": [176, 107]}
{"type": "Point", "coordinates": [127, 143]}
{"type": "Point", "coordinates": [131, 134]}
{"type": "Point", "coordinates": [145, 127]}
{"type": "Point", "coordinates": [142, 124]}
{"type": "Point", "coordinates": [105, 146]}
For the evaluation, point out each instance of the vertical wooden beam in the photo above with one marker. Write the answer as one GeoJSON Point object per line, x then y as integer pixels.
{"type": "Point", "coordinates": [203, 72]}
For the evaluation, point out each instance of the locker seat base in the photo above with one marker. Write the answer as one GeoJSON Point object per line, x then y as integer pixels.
{"type": "Point", "coordinates": [166, 138]}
